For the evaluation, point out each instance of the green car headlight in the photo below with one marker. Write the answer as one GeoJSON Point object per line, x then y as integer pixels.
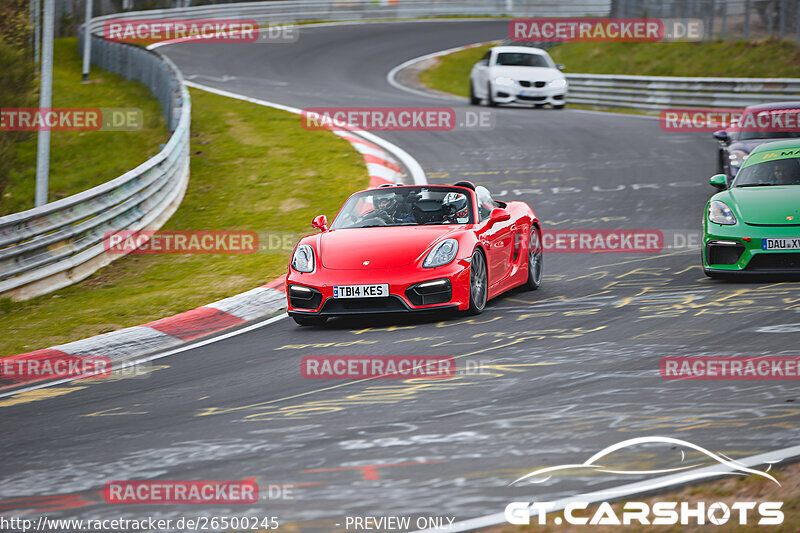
{"type": "Point", "coordinates": [720, 213]}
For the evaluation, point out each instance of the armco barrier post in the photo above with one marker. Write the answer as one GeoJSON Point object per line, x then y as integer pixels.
{"type": "Point", "coordinates": [45, 102]}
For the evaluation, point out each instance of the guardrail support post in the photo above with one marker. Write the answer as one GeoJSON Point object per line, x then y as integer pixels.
{"type": "Point", "coordinates": [87, 41]}
{"type": "Point", "coordinates": [45, 102]}
{"type": "Point", "coordinates": [782, 19]}
{"type": "Point", "coordinates": [746, 26]}
{"type": "Point", "coordinates": [37, 29]}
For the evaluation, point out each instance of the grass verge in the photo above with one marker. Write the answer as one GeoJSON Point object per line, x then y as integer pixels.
{"type": "Point", "coordinates": [726, 490]}
{"type": "Point", "coordinates": [754, 59]}
{"type": "Point", "coordinates": [80, 160]}
{"type": "Point", "coordinates": [253, 168]}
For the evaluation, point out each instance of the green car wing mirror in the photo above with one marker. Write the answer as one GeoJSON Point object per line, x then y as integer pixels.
{"type": "Point", "coordinates": [720, 181]}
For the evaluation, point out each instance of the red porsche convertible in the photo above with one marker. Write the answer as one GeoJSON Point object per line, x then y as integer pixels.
{"type": "Point", "coordinates": [413, 249]}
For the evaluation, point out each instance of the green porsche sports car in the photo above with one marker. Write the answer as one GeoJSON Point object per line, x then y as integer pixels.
{"type": "Point", "coordinates": [753, 227]}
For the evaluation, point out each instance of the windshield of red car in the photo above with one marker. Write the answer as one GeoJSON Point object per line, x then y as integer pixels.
{"type": "Point", "coordinates": [406, 206]}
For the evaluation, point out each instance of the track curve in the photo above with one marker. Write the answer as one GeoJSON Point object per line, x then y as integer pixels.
{"type": "Point", "coordinates": [566, 370]}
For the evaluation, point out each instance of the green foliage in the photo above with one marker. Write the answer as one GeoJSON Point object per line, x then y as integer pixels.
{"type": "Point", "coordinates": [18, 79]}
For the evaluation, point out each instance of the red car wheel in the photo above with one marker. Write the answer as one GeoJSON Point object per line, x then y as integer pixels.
{"type": "Point", "coordinates": [478, 283]}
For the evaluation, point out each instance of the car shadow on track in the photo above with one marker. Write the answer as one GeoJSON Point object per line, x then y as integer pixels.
{"type": "Point", "coordinates": [385, 320]}
{"type": "Point", "coordinates": [753, 279]}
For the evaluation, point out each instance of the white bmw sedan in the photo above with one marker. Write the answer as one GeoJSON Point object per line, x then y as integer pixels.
{"type": "Point", "coordinates": [519, 74]}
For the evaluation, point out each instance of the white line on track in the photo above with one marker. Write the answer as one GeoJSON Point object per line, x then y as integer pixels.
{"type": "Point", "coordinates": [391, 77]}
{"type": "Point", "coordinates": [179, 349]}
{"type": "Point", "coordinates": [413, 166]}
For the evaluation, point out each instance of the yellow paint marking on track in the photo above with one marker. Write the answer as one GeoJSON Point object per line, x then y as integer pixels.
{"type": "Point", "coordinates": [126, 373]}
{"type": "Point", "coordinates": [418, 339]}
{"type": "Point", "coordinates": [504, 368]}
{"type": "Point", "coordinates": [526, 316]}
{"type": "Point", "coordinates": [687, 269]}
{"type": "Point", "coordinates": [673, 333]}
{"type": "Point", "coordinates": [646, 272]}
{"type": "Point", "coordinates": [53, 392]}
{"type": "Point", "coordinates": [116, 411]}
{"type": "Point", "coordinates": [218, 410]}
{"type": "Point", "coordinates": [374, 330]}
{"type": "Point", "coordinates": [36, 395]}
{"type": "Point", "coordinates": [648, 258]}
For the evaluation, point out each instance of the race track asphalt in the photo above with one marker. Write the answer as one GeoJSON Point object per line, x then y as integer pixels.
{"type": "Point", "coordinates": [548, 377]}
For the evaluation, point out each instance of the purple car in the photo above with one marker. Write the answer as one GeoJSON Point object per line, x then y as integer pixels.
{"type": "Point", "coordinates": [735, 146]}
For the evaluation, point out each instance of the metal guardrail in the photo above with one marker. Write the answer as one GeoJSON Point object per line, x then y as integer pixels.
{"type": "Point", "coordinates": [60, 243]}
{"type": "Point", "coordinates": [661, 92]}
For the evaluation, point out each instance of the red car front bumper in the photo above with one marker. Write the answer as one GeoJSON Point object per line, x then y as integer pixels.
{"type": "Point", "coordinates": [311, 294]}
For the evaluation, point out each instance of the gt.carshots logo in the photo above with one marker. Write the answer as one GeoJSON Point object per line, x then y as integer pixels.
{"type": "Point", "coordinates": [660, 514]}
{"type": "Point", "coordinates": [694, 463]}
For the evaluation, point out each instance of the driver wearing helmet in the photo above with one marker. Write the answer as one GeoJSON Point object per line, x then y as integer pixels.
{"type": "Point", "coordinates": [455, 208]}
{"type": "Point", "coordinates": [392, 209]}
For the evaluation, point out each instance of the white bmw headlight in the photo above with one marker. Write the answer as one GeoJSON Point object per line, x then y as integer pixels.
{"type": "Point", "coordinates": [558, 84]}
{"type": "Point", "coordinates": [303, 259]}
{"type": "Point", "coordinates": [720, 213]}
{"type": "Point", "coordinates": [502, 80]}
{"type": "Point", "coordinates": [737, 158]}
{"type": "Point", "coordinates": [441, 254]}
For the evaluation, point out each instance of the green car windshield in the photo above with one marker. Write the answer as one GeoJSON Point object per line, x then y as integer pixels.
{"type": "Point", "coordinates": [765, 173]}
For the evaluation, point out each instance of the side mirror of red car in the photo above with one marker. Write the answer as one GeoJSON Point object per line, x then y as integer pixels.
{"type": "Point", "coordinates": [320, 222]}
{"type": "Point", "coordinates": [499, 215]}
